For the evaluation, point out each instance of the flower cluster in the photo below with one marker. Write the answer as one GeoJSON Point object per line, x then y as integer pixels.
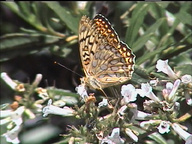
{"type": "Point", "coordinates": [106, 120]}
{"type": "Point", "coordinates": [160, 107]}
{"type": "Point", "coordinates": [25, 107]}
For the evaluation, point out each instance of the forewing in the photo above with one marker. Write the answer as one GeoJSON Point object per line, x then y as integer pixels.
{"type": "Point", "coordinates": [103, 55]}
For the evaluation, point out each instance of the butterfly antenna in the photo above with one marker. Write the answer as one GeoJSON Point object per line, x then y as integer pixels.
{"type": "Point", "coordinates": [68, 68]}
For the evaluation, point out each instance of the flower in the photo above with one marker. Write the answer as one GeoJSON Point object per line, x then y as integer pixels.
{"type": "Point", "coordinates": [174, 89]}
{"type": "Point", "coordinates": [12, 116]}
{"type": "Point", "coordinates": [167, 90]}
{"type": "Point", "coordinates": [154, 82]}
{"type": "Point", "coordinates": [114, 138]}
{"type": "Point", "coordinates": [186, 79]}
{"type": "Point", "coordinates": [82, 91]}
{"type": "Point", "coordinates": [189, 101]}
{"type": "Point", "coordinates": [182, 133]}
{"type": "Point", "coordinates": [129, 93]}
{"type": "Point", "coordinates": [12, 135]}
{"type": "Point", "coordinates": [104, 103]}
{"type": "Point", "coordinates": [51, 109]}
{"type": "Point", "coordinates": [8, 80]}
{"type": "Point", "coordinates": [140, 115]}
{"type": "Point", "coordinates": [20, 87]}
{"type": "Point", "coordinates": [164, 127]}
{"type": "Point", "coordinates": [42, 93]}
{"type": "Point", "coordinates": [131, 134]}
{"type": "Point", "coordinates": [162, 66]}
{"type": "Point", "coordinates": [146, 90]}
{"type": "Point", "coordinates": [37, 79]}
{"type": "Point", "coordinates": [121, 111]}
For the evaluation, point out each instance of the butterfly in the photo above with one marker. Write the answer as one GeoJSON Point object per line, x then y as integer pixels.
{"type": "Point", "coordinates": [106, 60]}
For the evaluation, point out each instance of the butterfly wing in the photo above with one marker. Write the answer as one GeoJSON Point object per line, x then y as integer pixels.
{"type": "Point", "coordinates": [103, 55]}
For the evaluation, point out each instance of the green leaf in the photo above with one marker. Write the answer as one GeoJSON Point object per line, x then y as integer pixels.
{"type": "Point", "coordinates": [16, 44]}
{"type": "Point", "coordinates": [158, 138]}
{"type": "Point", "coordinates": [25, 8]}
{"type": "Point", "coordinates": [184, 69]}
{"type": "Point", "coordinates": [149, 55]}
{"type": "Point", "coordinates": [136, 22]}
{"type": "Point", "coordinates": [65, 16]}
{"type": "Point", "coordinates": [61, 94]}
{"type": "Point", "coordinates": [183, 15]}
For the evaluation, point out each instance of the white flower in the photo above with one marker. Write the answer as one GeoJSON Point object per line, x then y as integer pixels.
{"type": "Point", "coordinates": [5, 113]}
{"type": "Point", "coordinates": [186, 79]}
{"type": "Point", "coordinates": [139, 115]}
{"type": "Point", "coordinates": [189, 101]}
{"type": "Point", "coordinates": [17, 115]}
{"type": "Point", "coordinates": [162, 66]}
{"type": "Point", "coordinates": [82, 91]}
{"type": "Point", "coordinates": [131, 134]}
{"type": "Point", "coordinates": [129, 93]}
{"type": "Point", "coordinates": [114, 138]}
{"type": "Point", "coordinates": [37, 79]}
{"type": "Point", "coordinates": [51, 109]}
{"type": "Point", "coordinates": [104, 103]}
{"type": "Point", "coordinates": [154, 82]}
{"type": "Point", "coordinates": [174, 89]}
{"type": "Point", "coordinates": [183, 134]}
{"type": "Point", "coordinates": [167, 90]}
{"type": "Point", "coordinates": [14, 116]}
{"type": "Point", "coordinates": [164, 127]}
{"type": "Point", "coordinates": [146, 90]}
{"type": "Point", "coordinates": [12, 135]}
{"type": "Point", "coordinates": [8, 80]}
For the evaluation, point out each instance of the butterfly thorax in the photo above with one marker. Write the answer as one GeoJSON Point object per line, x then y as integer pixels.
{"type": "Point", "coordinates": [91, 81]}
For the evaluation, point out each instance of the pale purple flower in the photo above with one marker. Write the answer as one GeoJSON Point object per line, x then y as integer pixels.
{"type": "Point", "coordinates": [8, 80]}
{"type": "Point", "coordinates": [114, 138]}
{"type": "Point", "coordinates": [12, 135]}
{"type": "Point", "coordinates": [37, 79]}
{"type": "Point", "coordinates": [189, 101]}
{"type": "Point", "coordinates": [121, 111]}
{"type": "Point", "coordinates": [131, 134]}
{"type": "Point", "coordinates": [162, 66]}
{"type": "Point", "coordinates": [146, 90]}
{"type": "Point", "coordinates": [103, 103]}
{"type": "Point", "coordinates": [129, 93]}
{"type": "Point", "coordinates": [174, 89]}
{"type": "Point", "coordinates": [164, 127]}
{"type": "Point", "coordinates": [182, 133]}
{"type": "Point", "coordinates": [167, 90]}
{"type": "Point", "coordinates": [186, 79]}
{"type": "Point", "coordinates": [51, 109]}
{"type": "Point", "coordinates": [139, 115]}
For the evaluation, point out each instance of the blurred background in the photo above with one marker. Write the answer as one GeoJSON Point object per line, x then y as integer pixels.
{"type": "Point", "coordinates": [35, 34]}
